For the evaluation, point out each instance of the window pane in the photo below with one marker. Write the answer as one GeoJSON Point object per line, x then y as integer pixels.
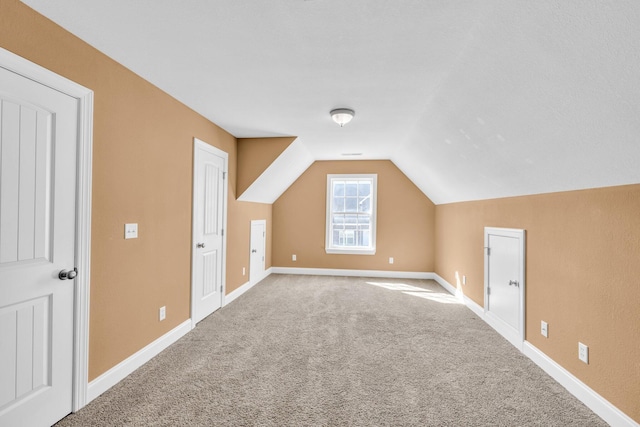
{"type": "Point", "coordinates": [365, 236]}
{"type": "Point", "coordinates": [338, 204]}
{"type": "Point", "coordinates": [352, 188]}
{"type": "Point", "coordinates": [351, 204]}
{"type": "Point", "coordinates": [351, 219]}
{"type": "Point", "coordinates": [364, 188]}
{"type": "Point", "coordinates": [364, 204]}
{"type": "Point", "coordinates": [338, 188]}
{"type": "Point", "coordinates": [336, 238]}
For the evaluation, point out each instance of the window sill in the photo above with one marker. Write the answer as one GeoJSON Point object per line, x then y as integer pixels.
{"type": "Point", "coordinates": [344, 251]}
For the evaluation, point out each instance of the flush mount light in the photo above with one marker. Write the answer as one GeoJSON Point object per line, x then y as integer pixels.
{"type": "Point", "coordinates": [342, 116]}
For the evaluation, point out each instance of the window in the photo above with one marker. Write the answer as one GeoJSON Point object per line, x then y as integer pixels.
{"type": "Point", "coordinates": [351, 214]}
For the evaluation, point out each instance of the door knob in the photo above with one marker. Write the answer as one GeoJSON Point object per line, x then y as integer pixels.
{"type": "Point", "coordinates": [253, 251]}
{"type": "Point", "coordinates": [70, 275]}
{"type": "Point", "coordinates": [514, 283]}
{"type": "Point", "coordinates": [200, 245]}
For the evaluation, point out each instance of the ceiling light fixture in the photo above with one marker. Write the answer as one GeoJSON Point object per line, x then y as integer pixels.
{"type": "Point", "coordinates": [342, 116]}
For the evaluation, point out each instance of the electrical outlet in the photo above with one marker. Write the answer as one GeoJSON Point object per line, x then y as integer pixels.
{"type": "Point", "coordinates": [131, 231]}
{"type": "Point", "coordinates": [464, 280]}
{"type": "Point", "coordinates": [583, 352]}
{"type": "Point", "coordinates": [390, 260]}
{"type": "Point", "coordinates": [293, 257]}
{"type": "Point", "coordinates": [544, 329]}
{"type": "Point", "coordinates": [163, 312]}
{"type": "Point", "coordinates": [243, 271]}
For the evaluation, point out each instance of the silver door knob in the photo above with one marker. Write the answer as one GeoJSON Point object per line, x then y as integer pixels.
{"type": "Point", "coordinates": [200, 245]}
{"type": "Point", "coordinates": [70, 275]}
{"type": "Point", "coordinates": [514, 283]}
{"type": "Point", "coordinates": [253, 251]}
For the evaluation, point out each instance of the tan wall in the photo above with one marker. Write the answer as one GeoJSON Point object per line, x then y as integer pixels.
{"type": "Point", "coordinates": [582, 277]}
{"type": "Point", "coordinates": [255, 155]}
{"type": "Point", "coordinates": [142, 172]}
{"type": "Point", "coordinates": [405, 228]}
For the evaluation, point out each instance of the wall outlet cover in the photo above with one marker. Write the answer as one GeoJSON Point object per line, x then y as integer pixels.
{"type": "Point", "coordinates": [583, 352]}
{"type": "Point", "coordinates": [131, 231]}
{"type": "Point", "coordinates": [544, 329]}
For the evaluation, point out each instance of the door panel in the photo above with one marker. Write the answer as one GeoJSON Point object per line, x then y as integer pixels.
{"type": "Point", "coordinates": [504, 299]}
{"type": "Point", "coordinates": [38, 145]}
{"type": "Point", "coordinates": [25, 178]}
{"type": "Point", "coordinates": [208, 235]}
{"type": "Point", "coordinates": [25, 352]}
{"type": "Point", "coordinates": [212, 177]}
{"type": "Point", "coordinates": [210, 273]}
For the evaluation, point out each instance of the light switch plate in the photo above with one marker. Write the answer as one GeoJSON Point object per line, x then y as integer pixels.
{"type": "Point", "coordinates": [131, 231]}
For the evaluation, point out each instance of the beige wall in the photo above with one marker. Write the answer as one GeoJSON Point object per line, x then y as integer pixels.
{"type": "Point", "coordinates": [582, 277]}
{"type": "Point", "coordinates": [405, 228]}
{"type": "Point", "coordinates": [142, 172]}
{"type": "Point", "coordinates": [255, 155]}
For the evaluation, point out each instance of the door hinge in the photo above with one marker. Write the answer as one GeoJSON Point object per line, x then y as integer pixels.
{"type": "Point", "coordinates": [222, 232]}
{"type": "Point", "coordinates": [224, 175]}
{"type": "Point", "coordinates": [264, 233]}
{"type": "Point", "coordinates": [488, 250]}
{"type": "Point", "coordinates": [488, 291]}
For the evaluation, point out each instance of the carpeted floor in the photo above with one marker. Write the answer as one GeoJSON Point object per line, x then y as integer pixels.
{"type": "Point", "coordinates": [337, 351]}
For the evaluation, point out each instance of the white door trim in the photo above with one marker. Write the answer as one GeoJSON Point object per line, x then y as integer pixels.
{"type": "Point", "coordinates": [197, 143]}
{"type": "Point", "coordinates": [19, 65]}
{"type": "Point", "coordinates": [499, 326]}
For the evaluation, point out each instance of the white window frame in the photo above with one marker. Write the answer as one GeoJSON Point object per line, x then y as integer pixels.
{"type": "Point", "coordinates": [359, 250]}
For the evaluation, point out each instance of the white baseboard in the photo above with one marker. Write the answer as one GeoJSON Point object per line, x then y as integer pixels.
{"type": "Point", "coordinates": [598, 404]}
{"type": "Point", "coordinates": [448, 286]}
{"type": "Point", "coordinates": [471, 304]}
{"type": "Point", "coordinates": [580, 390]}
{"type": "Point", "coordinates": [116, 374]}
{"type": "Point", "coordinates": [244, 288]}
{"type": "Point", "coordinates": [353, 273]}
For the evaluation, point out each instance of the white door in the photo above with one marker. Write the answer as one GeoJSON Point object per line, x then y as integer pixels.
{"type": "Point", "coordinates": [209, 220]}
{"type": "Point", "coordinates": [504, 282]}
{"type": "Point", "coordinates": [258, 246]}
{"type": "Point", "coordinates": [38, 147]}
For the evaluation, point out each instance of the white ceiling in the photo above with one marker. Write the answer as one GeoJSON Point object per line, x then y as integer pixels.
{"type": "Point", "coordinates": [471, 99]}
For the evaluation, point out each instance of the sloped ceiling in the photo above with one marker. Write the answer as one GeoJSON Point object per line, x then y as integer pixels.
{"type": "Point", "coordinates": [470, 99]}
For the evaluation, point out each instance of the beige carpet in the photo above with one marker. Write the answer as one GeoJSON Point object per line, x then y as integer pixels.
{"type": "Point", "coordinates": [336, 351]}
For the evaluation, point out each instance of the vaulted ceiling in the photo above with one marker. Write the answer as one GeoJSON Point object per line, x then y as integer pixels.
{"type": "Point", "coordinates": [470, 99]}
